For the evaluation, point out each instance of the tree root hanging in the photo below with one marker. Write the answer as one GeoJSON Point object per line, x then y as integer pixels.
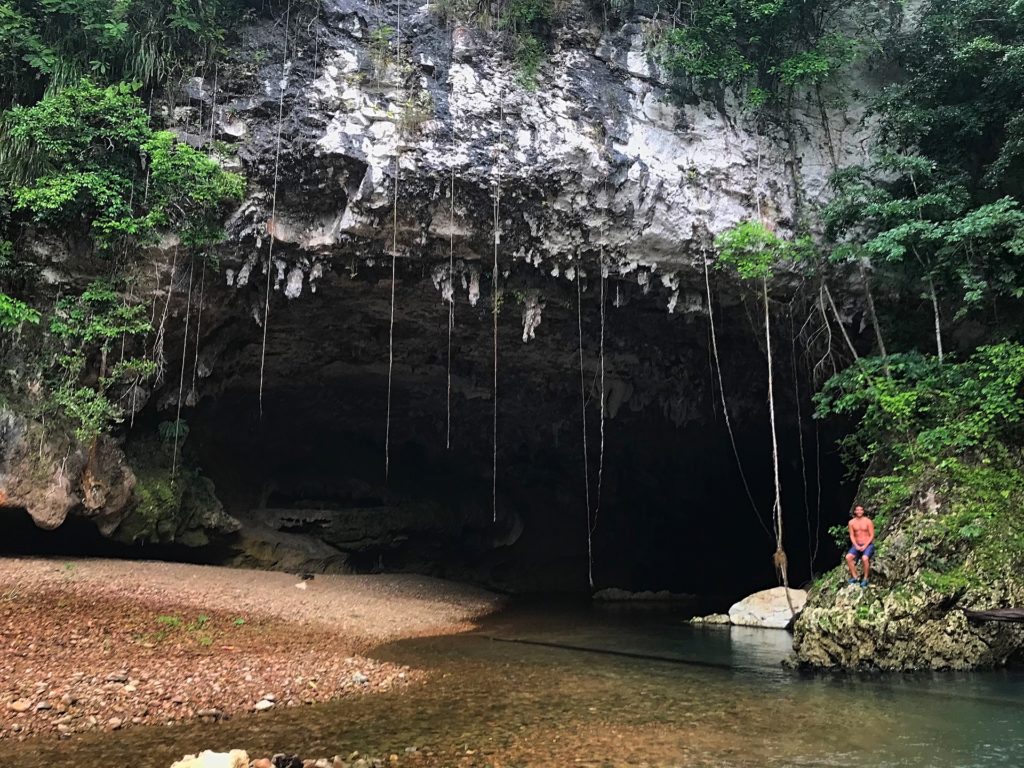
{"type": "Point", "coordinates": [181, 378]}
{"type": "Point", "coordinates": [273, 205]}
{"type": "Point", "coordinates": [583, 419]}
{"type": "Point", "coordinates": [725, 408]}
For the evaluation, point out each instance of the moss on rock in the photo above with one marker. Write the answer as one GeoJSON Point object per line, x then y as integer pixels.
{"type": "Point", "coordinates": [956, 543]}
{"type": "Point", "coordinates": [183, 510]}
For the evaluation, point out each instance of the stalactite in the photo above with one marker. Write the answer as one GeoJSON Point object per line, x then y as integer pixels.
{"type": "Point", "coordinates": [273, 204]}
{"type": "Point", "coordinates": [181, 378]}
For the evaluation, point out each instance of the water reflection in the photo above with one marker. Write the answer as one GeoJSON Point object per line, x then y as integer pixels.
{"type": "Point", "coordinates": [568, 686]}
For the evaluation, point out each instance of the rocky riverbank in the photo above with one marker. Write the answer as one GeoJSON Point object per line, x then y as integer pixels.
{"type": "Point", "coordinates": [105, 645]}
{"type": "Point", "coordinates": [238, 758]}
{"type": "Point", "coordinates": [954, 546]}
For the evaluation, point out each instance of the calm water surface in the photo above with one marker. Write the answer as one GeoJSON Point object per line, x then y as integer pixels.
{"type": "Point", "coordinates": [567, 686]}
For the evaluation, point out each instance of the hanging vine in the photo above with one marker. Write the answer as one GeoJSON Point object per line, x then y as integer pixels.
{"type": "Point", "coordinates": [725, 407]}
{"type": "Point", "coordinates": [273, 204]}
{"type": "Point", "coordinates": [394, 268]}
{"type": "Point", "coordinates": [495, 308]}
{"type": "Point", "coordinates": [583, 424]}
{"type": "Point", "coordinates": [451, 313]}
{"type": "Point", "coordinates": [181, 378]}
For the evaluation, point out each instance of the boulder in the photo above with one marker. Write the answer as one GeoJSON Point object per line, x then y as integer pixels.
{"type": "Point", "coordinates": [236, 758]}
{"type": "Point", "coordinates": [950, 551]}
{"type": "Point", "coordinates": [767, 608]}
{"type": "Point", "coordinates": [712, 618]}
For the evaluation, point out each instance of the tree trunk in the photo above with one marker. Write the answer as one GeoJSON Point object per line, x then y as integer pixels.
{"type": "Point", "coordinates": [873, 317]}
{"type": "Point", "coordinates": [938, 322]}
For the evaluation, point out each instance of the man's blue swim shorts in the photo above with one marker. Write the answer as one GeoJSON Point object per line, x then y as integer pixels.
{"type": "Point", "coordinates": [868, 552]}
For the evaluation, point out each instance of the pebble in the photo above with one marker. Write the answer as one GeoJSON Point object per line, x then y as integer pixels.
{"type": "Point", "coordinates": [20, 705]}
{"type": "Point", "coordinates": [359, 678]}
{"type": "Point", "coordinates": [263, 705]}
{"type": "Point", "coordinates": [114, 723]}
{"type": "Point", "coordinates": [263, 762]}
{"type": "Point", "coordinates": [117, 677]}
{"type": "Point", "coordinates": [44, 706]}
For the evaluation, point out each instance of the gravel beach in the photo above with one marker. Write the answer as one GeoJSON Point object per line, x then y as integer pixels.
{"type": "Point", "coordinates": [106, 644]}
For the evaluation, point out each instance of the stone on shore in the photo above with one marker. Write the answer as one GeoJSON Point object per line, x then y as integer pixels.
{"type": "Point", "coordinates": [712, 618]}
{"type": "Point", "coordinates": [767, 608]}
{"type": "Point", "coordinates": [236, 758]}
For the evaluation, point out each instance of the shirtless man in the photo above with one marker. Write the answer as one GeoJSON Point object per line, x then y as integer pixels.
{"type": "Point", "coordinates": [862, 536]}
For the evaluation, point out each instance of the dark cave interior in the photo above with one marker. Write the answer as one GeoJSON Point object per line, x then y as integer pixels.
{"type": "Point", "coordinates": [673, 513]}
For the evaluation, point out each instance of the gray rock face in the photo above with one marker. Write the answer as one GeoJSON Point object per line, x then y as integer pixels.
{"type": "Point", "coordinates": [600, 162]}
{"type": "Point", "coordinates": [491, 195]}
{"type": "Point", "coordinates": [50, 479]}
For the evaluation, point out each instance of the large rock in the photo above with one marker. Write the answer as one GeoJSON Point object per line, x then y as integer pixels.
{"type": "Point", "coordinates": [52, 476]}
{"type": "Point", "coordinates": [948, 550]}
{"type": "Point", "coordinates": [236, 758]}
{"type": "Point", "coordinates": [767, 608]}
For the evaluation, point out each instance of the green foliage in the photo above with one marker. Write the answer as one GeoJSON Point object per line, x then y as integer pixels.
{"type": "Point", "coordinates": [14, 312]}
{"type": "Point", "coordinates": [526, 20]}
{"type": "Point", "coordinates": [817, 64]}
{"type": "Point", "coordinates": [169, 431]}
{"type": "Point", "coordinates": [87, 408]}
{"type": "Point", "coordinates": [89, 325]}
{"type": "Point", "coordinates": [92, 143]}
{"type": "Point", "coordinates": [926, 413]}
{"type": "Point", "coordinates": [770, 47]}
{"type": "Point", "coordinates": [46, 46]}
{"type": "Point", "coordinates": [961, 99]}
{"type": "Point", "coordinates": [380, 46]}
{"type": "Point", "coordinates": [529, 55]}
{"type": "Point", "coordinates": [97, 316]}
{"type": "Point", "coordinates": [754, 251]}
{"type": "Point", "coordinates": [905, 215]}
{"type": "Point", "coordinates": [188, 191]}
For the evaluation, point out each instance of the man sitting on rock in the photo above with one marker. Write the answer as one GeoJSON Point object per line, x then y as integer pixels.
{"type": "Point", "coordinates": [862, 536]}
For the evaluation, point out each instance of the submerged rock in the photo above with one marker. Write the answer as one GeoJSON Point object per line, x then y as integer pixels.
{"type": "Point", "coordinates": [767, 608]}
{"type": "Point", "coordinates": [713, 619]}
{"type": "Point", "coordinates": [614, 595]}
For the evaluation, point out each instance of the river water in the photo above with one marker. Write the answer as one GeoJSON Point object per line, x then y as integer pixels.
{"type": "Point", "coordinates": [579, 686]}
